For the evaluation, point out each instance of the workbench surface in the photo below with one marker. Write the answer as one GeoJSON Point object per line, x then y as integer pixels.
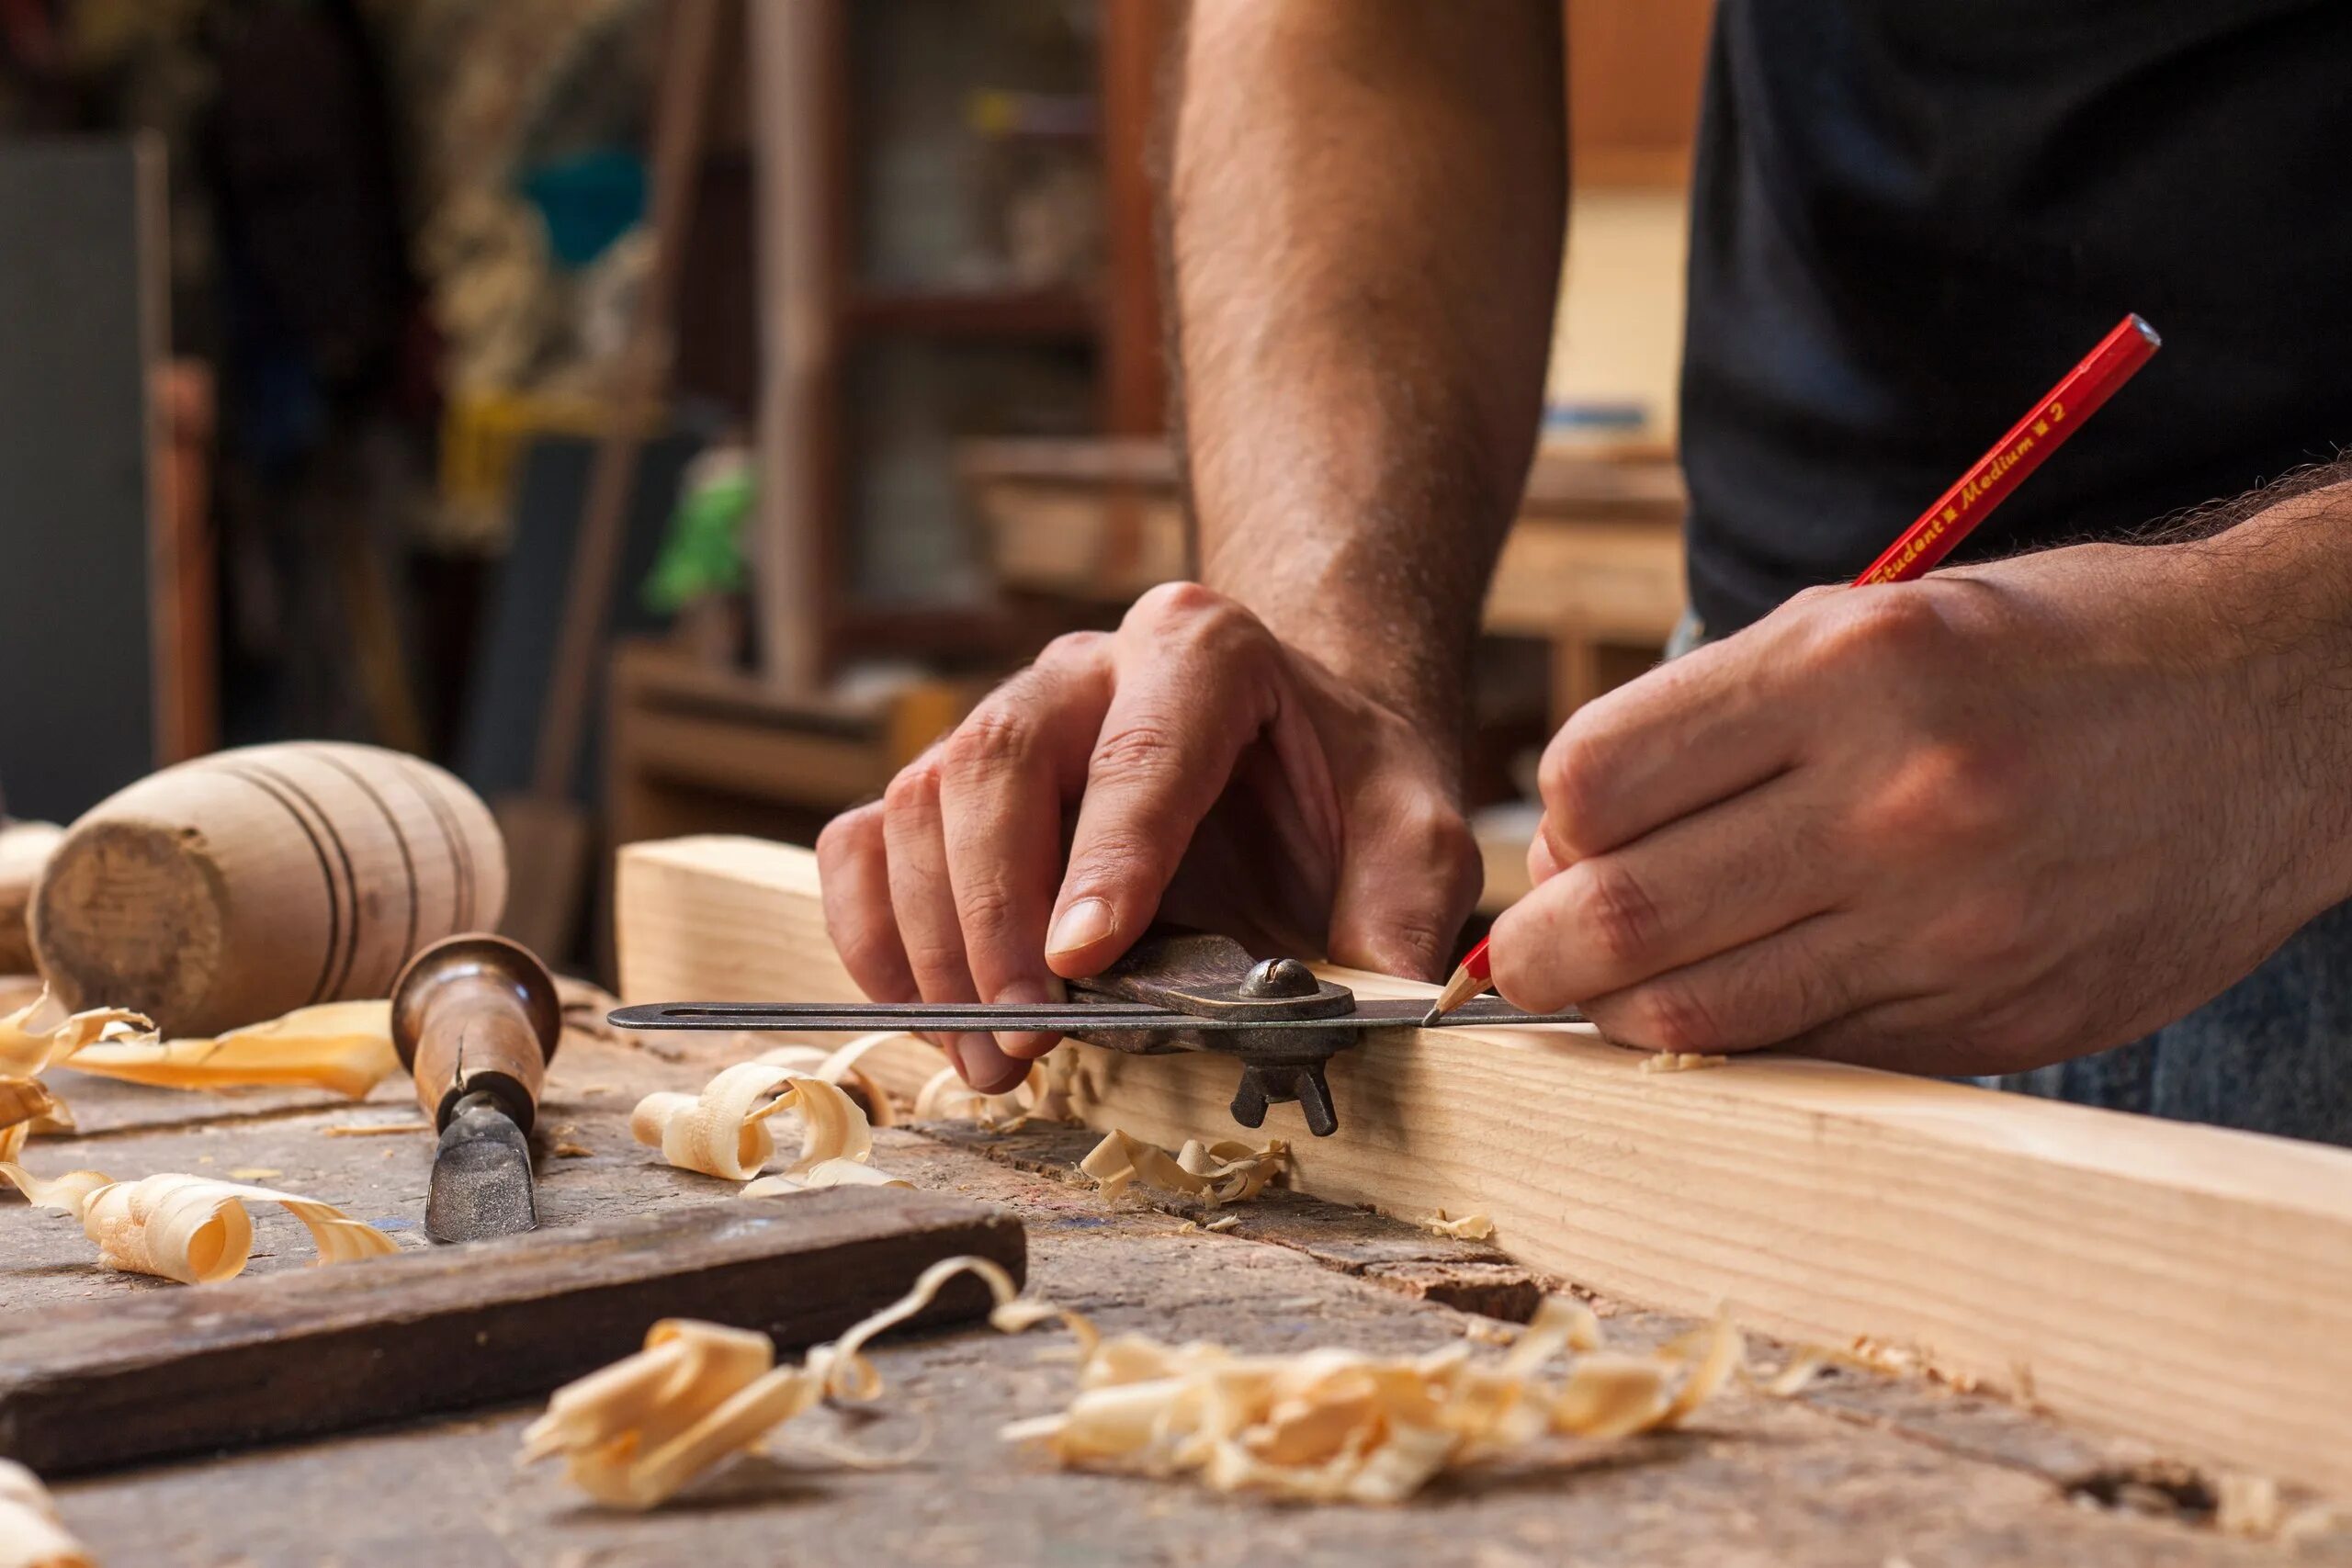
{"type": "Point", "coordinates": [1863, 1470]}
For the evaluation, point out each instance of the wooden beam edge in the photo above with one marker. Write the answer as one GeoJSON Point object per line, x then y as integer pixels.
{"type": "Point", "coordinates": [2183, 1284]}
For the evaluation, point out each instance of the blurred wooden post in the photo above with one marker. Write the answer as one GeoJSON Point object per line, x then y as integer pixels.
{"type": "Point", "coordinates": [796, 53]}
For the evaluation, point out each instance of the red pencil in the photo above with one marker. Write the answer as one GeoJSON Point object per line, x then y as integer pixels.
{"type": "Point", "coordinates": [1950, 519]}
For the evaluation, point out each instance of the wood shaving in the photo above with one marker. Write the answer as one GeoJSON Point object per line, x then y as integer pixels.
{"type": "Point", "coordinates": [343, 1047]}
{"type": "Point", "coordinates": [374, 1129]}
{"type": "Point", "coordinates": [946, 1096]}
{"type": "Point", "coordinates": [42, 1033]}
{"type": "Point", "coordinates": [1469, 1227]}
{"type": "Point", "coordinates": [1680, 1062]}
{"type": "Point", "coordinates": [723, 1130]}
{"type": "Point", "coordinates": [26, 1107]}
{"type": "Point", "coordinates": [32, 1534]}
{"type": "Point", "coordinates": [1228, 1171]}
{"type": "Point", "coordinates": [635, 1433]}
{"type": "Point", "coordinates": [564, 1148]}
{"type": "Point", "coordinates": [1335, 1424]}
{"type": "Point", "coordinates": [194, 1229]}
{"type": "Point", "coordinates": [824, 1173]}
{"type": "Point", "coordinates": [839, 1067]}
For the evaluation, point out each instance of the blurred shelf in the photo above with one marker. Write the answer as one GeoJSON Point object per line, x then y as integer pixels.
{"type": "Point", "coordinates": [1063, 313]}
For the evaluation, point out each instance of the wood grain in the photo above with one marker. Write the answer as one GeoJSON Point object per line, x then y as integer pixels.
{"type": "Point", "coordinates": [2183, 1284]}
{"type": "Point", "coordinates": [277, 1355]}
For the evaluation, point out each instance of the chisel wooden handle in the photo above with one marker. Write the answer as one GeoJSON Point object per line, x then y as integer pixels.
{"type": "Point", "coordinates": [477, 1013]}
{"type": "Point", "coordinates": [243, 884]}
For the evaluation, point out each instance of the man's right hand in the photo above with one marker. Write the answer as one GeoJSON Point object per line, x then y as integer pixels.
{"type": "Point", "coordinates": [1219, 778]}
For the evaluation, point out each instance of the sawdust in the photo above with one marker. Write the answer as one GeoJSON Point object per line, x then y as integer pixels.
{"type": "Point", "coordinates": [1468, 1228]}
{"type": "Point", "coordinates": [1680, 1062]}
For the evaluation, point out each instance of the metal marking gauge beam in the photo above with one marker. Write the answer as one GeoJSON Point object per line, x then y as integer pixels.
{"type": "Point", "coordinates": [1184, 991]}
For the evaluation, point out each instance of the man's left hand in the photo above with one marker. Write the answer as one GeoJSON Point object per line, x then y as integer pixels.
{"type": "Point", "coordinates": [2002, 815]}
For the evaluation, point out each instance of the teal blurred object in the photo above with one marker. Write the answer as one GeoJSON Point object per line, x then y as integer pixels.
{"type": "Point", "coordinates": [587, 201]}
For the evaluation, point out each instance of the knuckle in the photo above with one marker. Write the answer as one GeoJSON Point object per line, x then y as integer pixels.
{"type": "Point", "coordinates": [986, 908]}
{"type": "Point", "coordinates": [1902, 624]}
{"type": "Point", "coordinates": [849, 834]}
{"type": "Point", "coordinates": [995, 736]}
{"type": "Point", "coordinates": [1957, 793]}
{"type": "Point", "coordinates": [1671, 1016]}
{"type": "Point", "coordinates": [1186, 618]}
{"type": "Point", "coordinates": [1615, 912]}
{"type": "Point", "coordinates": [1073, 649]}
{"type": "Point", "coordinates": [1572, 780]}
{"type": "Point", "coordinates": [916, 786]}
{"type": "Point", "coordinates": [1135, 751]}
{"type": "Point", "coordinates": [1169, 602]}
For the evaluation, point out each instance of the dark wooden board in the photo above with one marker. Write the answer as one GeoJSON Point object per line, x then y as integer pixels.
{"type": "Point", "coordinates": [271, 1357]}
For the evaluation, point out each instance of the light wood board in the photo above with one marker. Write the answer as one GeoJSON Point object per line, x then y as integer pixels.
{"type": "Point", "coordinates": [2184, 1284]}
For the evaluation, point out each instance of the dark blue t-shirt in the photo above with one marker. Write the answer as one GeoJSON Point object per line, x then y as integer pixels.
{"type": "Point", "coordinates": [1912, 216]}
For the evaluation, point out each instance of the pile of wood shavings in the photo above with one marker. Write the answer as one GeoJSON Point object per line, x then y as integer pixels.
{"type": "Point", "coordinates": [1336, 1424]}
{"type": "Point", "coordinates": [1228, 1171]}
{"type": "Point", "coordinates": [190, 1229]}
{"type": "Point", "coordinates": [634, 1433]}
{"type": "Point", "coordinates": [1329, 1425]}
{"type": "Point", "coordinates": [723, 1130]}
{"type": "Point", "coordinates": [31, 1535]}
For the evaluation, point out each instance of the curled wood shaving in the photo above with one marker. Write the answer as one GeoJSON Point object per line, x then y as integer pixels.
{"type": "Point", "coordinates": [839, 1067]}
{"type": "Point", "coordinates": [42, 1033]}
{"type": "Point", "coordinates": [194, 1229]}
{"type": "Point", "coordinates": [1469, 1227]}
{"type": "Point", "coordinates": [345, 1047]}
{"type": "Point", "coordinates": [1680, 1062]}
{"type": "Point", "coordinates": [26, 1107]}
{"type": "Point", "coordinates": [31, 1535]}
{"type": "Point", "coordinates": [1228, 1171]}
{"type": "Point", "coordinates": [1223, 1223]}
{"type": "Point", "coordinates": [634, 1433]}
{"type": "Point", "coordinates": [723, 1130]}
{"type": "Point", "coordinates": [342, 1047]}
{"type": "Point", "coordinates": [1337, 1425]}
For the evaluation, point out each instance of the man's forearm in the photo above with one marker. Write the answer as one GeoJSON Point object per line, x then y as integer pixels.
{"type": "Point", "coordinates": [1366, 210]}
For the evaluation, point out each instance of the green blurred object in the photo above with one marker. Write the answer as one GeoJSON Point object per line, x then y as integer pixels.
{"type": "Point", "coordinates": [703, 556]}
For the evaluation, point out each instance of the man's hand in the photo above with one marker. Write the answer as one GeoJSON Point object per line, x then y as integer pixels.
{"type": "Point", "coordinates": [1195, 766]}
{"type": "Point", "coordinates": [2003, 816]}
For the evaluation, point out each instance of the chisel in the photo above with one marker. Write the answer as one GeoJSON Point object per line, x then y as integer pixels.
{"type": "Point", "coordinates": [475, 1019]}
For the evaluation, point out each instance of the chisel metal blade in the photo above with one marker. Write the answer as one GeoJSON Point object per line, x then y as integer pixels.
{"type": "Point", "coordinates": [481, 1183]}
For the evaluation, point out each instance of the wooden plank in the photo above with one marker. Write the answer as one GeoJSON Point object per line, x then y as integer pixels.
{"type": "Point", "coordinates": [2184, 1284]}
{"type": "Point", "coordinates": [251, 1360]}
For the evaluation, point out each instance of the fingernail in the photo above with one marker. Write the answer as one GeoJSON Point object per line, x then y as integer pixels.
{"type": "Point", "coordinates": [1083, 924]}
{"type": "Point", "coordinates": [1029, 1044]}
{"type": "Point", "coordinates": [984, 1066]}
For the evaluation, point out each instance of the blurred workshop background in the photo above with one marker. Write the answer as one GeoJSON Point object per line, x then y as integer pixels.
{"type": "Point", "coordinates": [669, 414]}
